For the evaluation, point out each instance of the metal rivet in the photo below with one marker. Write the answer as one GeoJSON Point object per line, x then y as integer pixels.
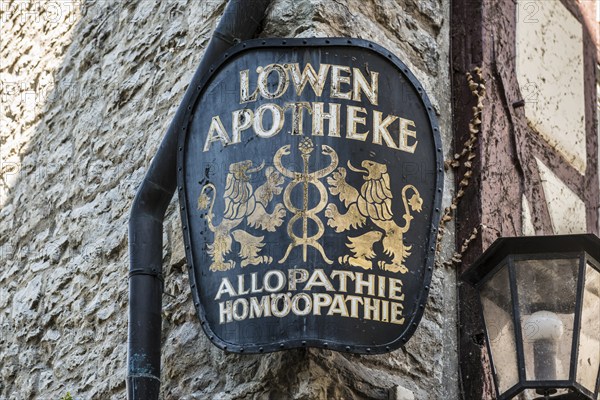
{"type": "Point", "coordinates": [284, 41]}
{"type": "Point", "coordinates": [347, 348]}
{"type": "Point", "coordinates": [281, 345]}
{"type": "Point", "coordinates": [226, 55]}
{"type": "Point", "coordinates": [387, 348]}
{"type": "Point", "coordinates": [368, 349]}
{"type": "Point", "coordinates": [327, 41]}
{"type": "Point", "coordinates": [264, 42]}
{"type": "Point", "coordinates": [224, 347]}
{"type": "Point", "coordinates": [260, 349]}
{"type": "Point", "coordinates": [325, 344]}
{"type": "Point", "coordinates": [211, 337]}
{"type": "Point", "coordinates": [181, 149]}
{"type": "Point", "coordinates": [303, 343]}
{"type": "Point", "coordinates": [241, 349]}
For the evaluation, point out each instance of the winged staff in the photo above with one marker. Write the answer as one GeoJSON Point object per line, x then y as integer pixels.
{"type": "Point", "coordinates": [371, 202]}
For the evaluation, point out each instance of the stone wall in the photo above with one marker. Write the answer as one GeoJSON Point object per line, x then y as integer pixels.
{"type": "Point", "coordinates": [88, 88]}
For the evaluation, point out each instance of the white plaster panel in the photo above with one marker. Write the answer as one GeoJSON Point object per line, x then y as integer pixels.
{"type": "Point", "coordinates": [528, 229]}
{"type": "Point", "coordinates": [549, 67]}
{"type": "Point", "coordinates": [567, 210]}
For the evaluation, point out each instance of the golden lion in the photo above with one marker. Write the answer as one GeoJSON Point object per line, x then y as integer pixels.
{"type": "Point", "coordinates": [374, 201]}
{"type": "Point", "coordinates": [241, 202]}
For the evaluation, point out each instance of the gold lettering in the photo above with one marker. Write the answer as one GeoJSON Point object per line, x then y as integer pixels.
{"type": "Point", "coordinates": [317, 81]}
{"type": "Point", "coordinates": [296, 275]}
{"type": "Point", "coordinates": [397, 313]}
{"type": "Point", "coordinates": [254, 283]}
{"type": "Point", "coordinates": [380, 129]}
{"type": "Point", "coordinates": [385, 310]}
{"type": "Point", "coordinates": [337, 80]}
{"type": "Point", "coordinates": [338, 306]}
{"type": "Point", "coordinates": [371, 308]}
{"type": "Point", "coordinates": [296, 301]}
{"type": "Point", "coordinates": [277, 120]}
{"type": "Point", "coordinates": [354, 301]}
{"type": "Point", "coordinates": [343, 278]}
{"type": "Point", "coordinates": [225, 312]}
{"type": "Point", "coordinates": [352, 120]}
{"type": "Point", "coordinates": [216, 133]}
{"type": "Point", "coordinates": [244, 314]}
{"type": "Point", "coordinates": [405, 133]}
{"type": "Point", "coordinates": [360, 83]}
{"type": "Point", "coordinates": [395, 289]}
{"type": "Point", "coordinates": [320, 300]}
{"type": "Point", "coordinates": [241, 120]}
{"type": "Point", "coordinates": [319, 116]}
{"type": "Point", "coordinates": [258, 309]}
{"type": "Point", "coordinates": [241, 286]}
{"type": "Point", "coordinates": [318, 278]}
{"type": "Point", "coordinates": [280, 280]}
{"type": "Point", "coordinates": [360, 283]}
{"type": "Point", "coordinates": [381, 286]}
{"type": "Point", "coordinates": [263, 78]}
{"type": "Point", "coordinates": [244, 88]}
{"type": "Point", "coordinates": [225, 287]}
{"type": "Point", "coordinates": [297, 115]}
{"type": "Point", "coordinates": [286, 304]}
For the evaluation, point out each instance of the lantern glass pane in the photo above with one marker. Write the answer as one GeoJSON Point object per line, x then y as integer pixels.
{"type": "Point", "coordinates": [537, 394]}
{"type": "Point", "coordinates": [547, 291]}
{"type": "Point", "coordinates": [498, 314]}
{"type": "Point", "coordinates": [589, 340]}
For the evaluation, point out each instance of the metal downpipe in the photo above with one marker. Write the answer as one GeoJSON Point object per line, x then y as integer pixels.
{"type": "Point", "coordinates": [240, 21]}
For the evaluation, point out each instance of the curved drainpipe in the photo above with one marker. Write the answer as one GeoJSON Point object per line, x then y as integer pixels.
{"type": "Point", "coordinates": [240, 21]}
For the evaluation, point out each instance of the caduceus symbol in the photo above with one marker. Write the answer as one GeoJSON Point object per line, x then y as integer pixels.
{"type": "Point", "coordinates": [303, 213]}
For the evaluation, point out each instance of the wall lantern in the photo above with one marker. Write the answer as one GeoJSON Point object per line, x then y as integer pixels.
{"type": "Point", "coordinates": [540, 301]}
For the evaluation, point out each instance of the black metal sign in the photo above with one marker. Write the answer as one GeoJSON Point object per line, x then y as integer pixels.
{"type": "Point", "coordinates": [310, 179]}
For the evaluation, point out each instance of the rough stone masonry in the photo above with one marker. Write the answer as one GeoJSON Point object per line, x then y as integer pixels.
{"type": "Point", "coordinates": [87, 89]}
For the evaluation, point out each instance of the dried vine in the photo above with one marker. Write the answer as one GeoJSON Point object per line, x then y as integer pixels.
{"type": "Point", "coordinates": [466, 156]}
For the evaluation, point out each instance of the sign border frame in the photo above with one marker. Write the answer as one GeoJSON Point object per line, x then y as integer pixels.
{"type": "Point", "coordinates": [189, 106]}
